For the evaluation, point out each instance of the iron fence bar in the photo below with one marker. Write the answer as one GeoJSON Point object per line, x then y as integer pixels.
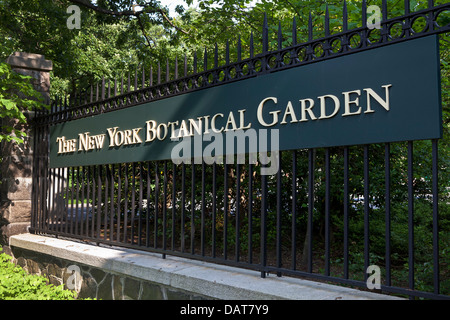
{"type": "Point", "coordinates": [125, 210]}
{"type": "Point", "coordinates": [94, 203]}
{"type": "Point", "coordinates": [77, 213]}
{"type": "Point", "coordinates": [155, 241]}
{"type": "Point", "coordinates": [103, 210]}
{"type": "Point", "coordinates": [327, 211]}
{"type": "Point", "coordinates": [113, 202]}
{"type": "Point", "coordinates": [225, 210]}
{"type": "Point", "coordinates": [192, 206]}
{"type": "Point", "coordinates": [88, 195]}
{"type": "Point", "coordinates": [183, 206]}
{"type": "Point", "coordinates": [263, 236]}
{"type": "Point", "coordinates": [70, 218]}
{"type": "Point", "coordinates": [164, 226]}
{"type": "Point", "coordinates": [237, 212]}
{"type": "Point", "coordinates": [46, 180]}
{"type": "Point", "coordinates": [140, 203]}
{"type": "Point", "coordinates": [250, 212]}
{"type": "Point", "coordinates": [435, 190]}
{"type": "Point", "coordinates": [133, 198]}
{"type": "Point", "coordinates": [147, 217]}
{"type": "Point", "coordinates": [203, 210]}
{"type": "Point", "coordinates": [84, 216]}
{"type": "Point", "coordinates": [49, 204]}
{"type": "Point", "coordinates": [387, 174]}
{"type": "Point", "coordinates": [278, 217]}
{"type": "Point", "coordinates": [99, 201]}
{"type": "Point", "coordinates": [54, 215]}
{"type": "Point", "coordinates": [105, 213]}
{"type": "Point", "coordinates": [366, 211]}
{"type": "Point", "coordinates": [52, 199]}
{"type": "Point", "coordinates": [309, 233]}
{"type": "Point", "coordinates": [65, 217]}
{"type": "Point", "coordinates": [294, 212]}
{"type": "Point", "coordinates": [59, 210]}
{"type": "Point", "coordinates": [119, 200]}
{"type": "Point", "coordinates": [38, 181]}
{"type": "Point", "coordinates": [410, 217]}
{"type": "Point", "coordinates": [214, 209]}
{"type": "Point", "coordinates": [43, 179]}
{"type": "Point", "coordinates": [174, 188]}
{"type": "Point", "coordinates": [346, 212]}
{"type": "Point", "coordinates": [34, 175]}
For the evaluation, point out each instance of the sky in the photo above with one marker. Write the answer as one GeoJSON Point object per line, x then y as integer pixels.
{"type": "Point", "coordinates": [173, 3]}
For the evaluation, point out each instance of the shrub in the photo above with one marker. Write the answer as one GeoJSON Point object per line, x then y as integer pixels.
{"type": "Point", "coordinates": [16, 284]}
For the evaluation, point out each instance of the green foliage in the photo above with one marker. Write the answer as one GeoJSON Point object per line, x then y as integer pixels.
{"type": "Point", "coordinates": [16, 95]}
{"type": "Point", "coordinates": [16, 284]}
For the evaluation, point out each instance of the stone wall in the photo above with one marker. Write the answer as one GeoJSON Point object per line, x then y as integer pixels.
{"type": "Point", "coordinates": [94, 282]}
{"type": "Point", "coordinates": [16, 165]}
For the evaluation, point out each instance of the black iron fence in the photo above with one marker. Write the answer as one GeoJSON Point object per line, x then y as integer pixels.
{"type": "Point", "coordinates": [327, 214]}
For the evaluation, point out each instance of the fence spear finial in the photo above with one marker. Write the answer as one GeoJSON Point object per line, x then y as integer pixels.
{"type": "Point", "coordinates": [265, 34]}
{"type": "Point", "coordinates": [310, 27]}
{"type": "Point", "coordinates": [345, 17]}
{"type": "Point", "coordinates": [385, 10]}
{"type": "Point", "coordinates": [280, 36]}
{"type": "Point", "coordinates": [364, 13]}
{"type": "Point", "coordinates": [252, 52]}
{"type": "Point", "coordinates": [294, 31]}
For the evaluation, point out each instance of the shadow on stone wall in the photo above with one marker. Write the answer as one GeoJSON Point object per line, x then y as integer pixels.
{"type": "Point", "coordinates": [94, 282]}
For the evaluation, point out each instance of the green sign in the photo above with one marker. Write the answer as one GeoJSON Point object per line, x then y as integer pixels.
{"type": "Point", "coordinates": [386, 94]}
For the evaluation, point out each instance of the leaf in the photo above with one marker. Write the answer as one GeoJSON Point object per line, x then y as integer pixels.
{"type": "Point", "coordinates": [8, 104]}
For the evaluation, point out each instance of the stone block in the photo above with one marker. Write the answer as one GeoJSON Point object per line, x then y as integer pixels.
{"type": "Point", "coordinates": [117, 283]}
{"type": "Point", "coordinates": [151, 291]}
{"type": "Point", "coordinates": [34, 267]}
{"type": "Point", "coordinates": [105, 288]}
{"type": "Point", "coordinates": [11, 229]}
{"type": "Point", "coordinates": [32, 61]}
{"type": "Point", "coordinates": [55, 270]}
{"type": "Point", "coordinates": [98, 274]}
{"type": "Point", "coordinates": [17, 166]}
{"type": "Point", "coordinates": [18, 212]}
{"type": "Point", "coordinates": [131, 289]}
{"type": "Point", "coordinates": [19, 188]}
{"type": "Point", "coordinates": [88, 287]}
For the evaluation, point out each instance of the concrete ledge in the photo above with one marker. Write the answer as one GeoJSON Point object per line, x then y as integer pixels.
{"type": "Point", "coordinates": [215, 281]}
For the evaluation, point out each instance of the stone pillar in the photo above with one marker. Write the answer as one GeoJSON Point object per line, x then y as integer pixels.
{"type": "Point", "coordinates": [17, 160]}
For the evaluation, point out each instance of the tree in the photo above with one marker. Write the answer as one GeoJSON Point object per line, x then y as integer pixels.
{"type": "Point", "coordinates": [16, 96]}
{"type": "Point", "coordinates": [114, 36]}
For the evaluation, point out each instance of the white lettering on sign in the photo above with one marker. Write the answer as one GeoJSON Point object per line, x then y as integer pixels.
{"type": "Point", "coordinates": [329, 105]}
{"type": "Point", "coordinates": [268, 114]}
